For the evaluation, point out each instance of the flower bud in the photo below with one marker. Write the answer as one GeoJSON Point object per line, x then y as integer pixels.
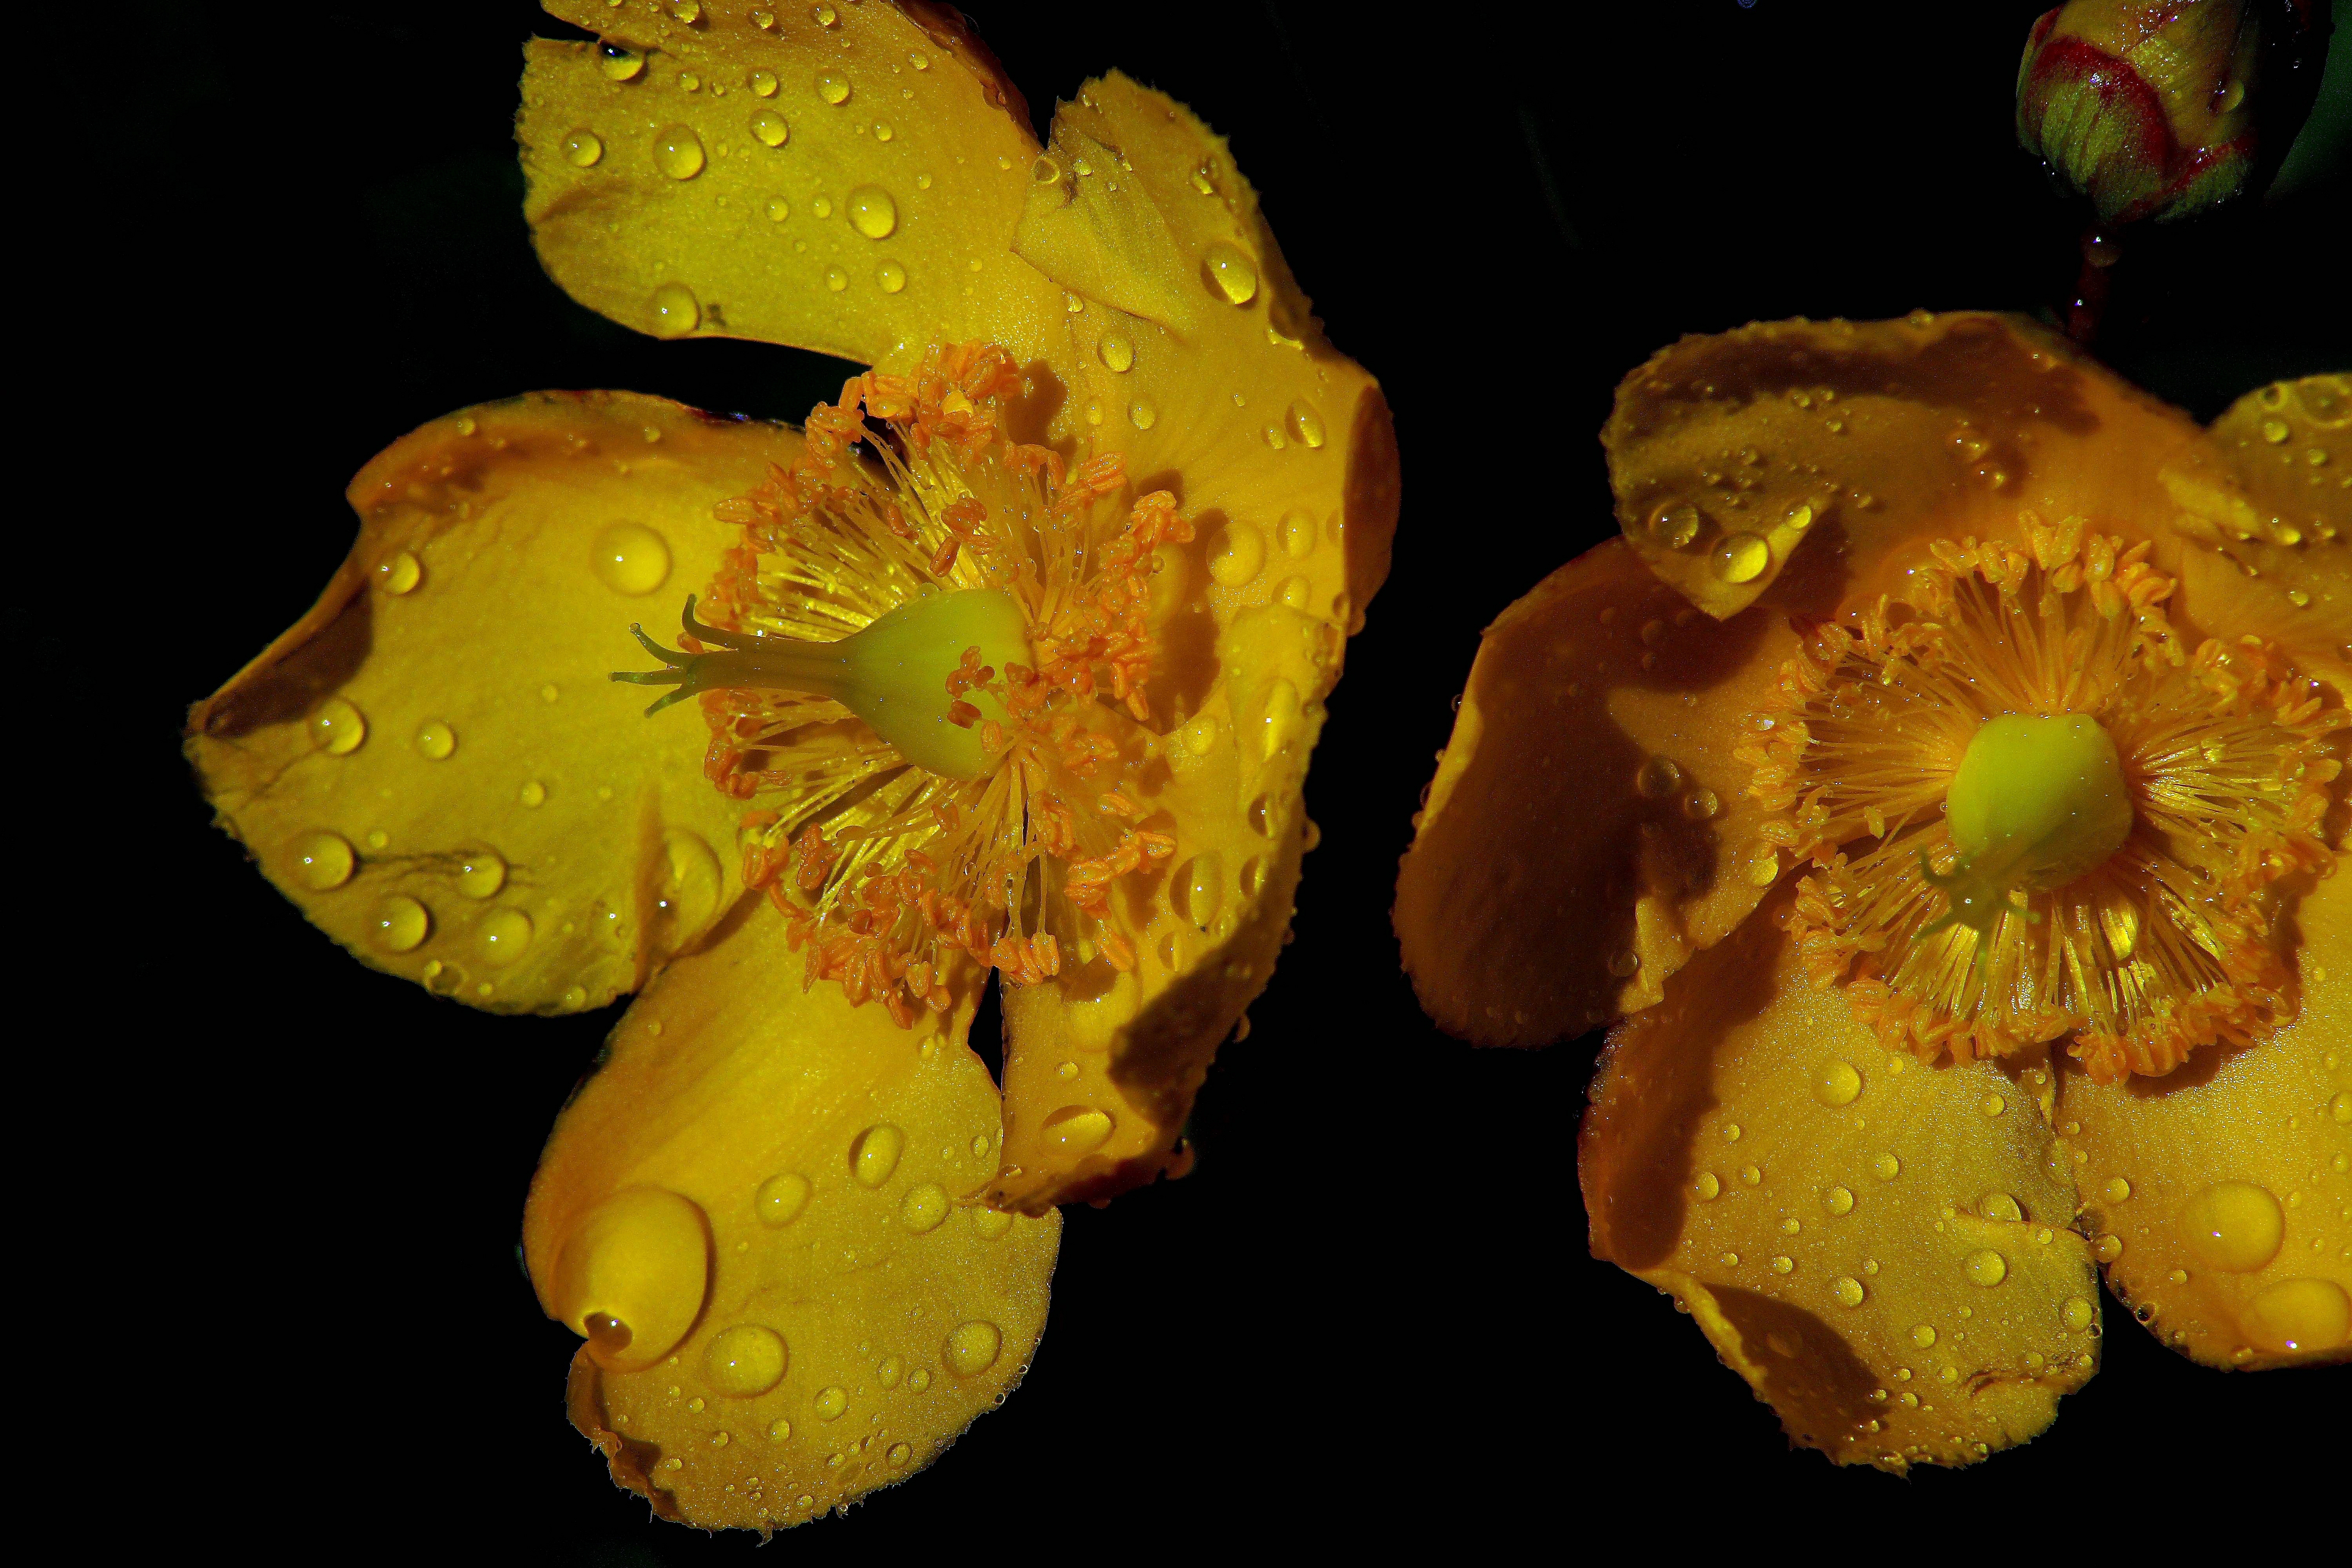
{"type": "Point", "coordinates": [2151, 108]}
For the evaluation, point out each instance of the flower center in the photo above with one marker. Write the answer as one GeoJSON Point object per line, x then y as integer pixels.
{"type": "Point", "coordinates": [2034, 814]}
{"type": "Point", "coordinates": [918, 675]}
{"type": "Point", "coordinates": [2037, 801]}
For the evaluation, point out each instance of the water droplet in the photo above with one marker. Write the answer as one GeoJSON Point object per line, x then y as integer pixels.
{"type": "Point", "coordinates": [824, 15]}
{"type": "Point", "coordinates": [400, 924]}
{"type": "Point", "coordinates": [830, 1403]}
{"type": "Point", "coordinates": [1848, 1290]}
{"type": "Point", "coordinates": [1142, 414]}
{"type": "Point", "coordinates": [1836, 1083]}
{"type": "Point", "coordinates": [1888, 1166]}
{"type": "Point", "coordinates": [676, 310]}
{"type": "Point", "coordinates": [2235, 1226]}
{"type": "Point", "coordinates": [771, 129]}
{"type": "Point", "coordinates": [1763, 865]}
{"type": "Point", "coordinates": [2116, 1189]}
{"type": "Point", "coordinates": [779, 1429]}
{"type": "Point", "coordinates": [900, 1453]}
{"type": "Point", "coordinates": [435, 739]}
{"type": "Point", "coordinates": [1750, 1176]}
{"type": "Point", "coordinates": [1077, 1130]}
{"type": "Point", "coordinates": [2107, 1248]}
{"type": "Point", "coordinates": [1994, 1105]}
{"type": "Point", "coordinates": [481, 873]}
{"type": "Point", "coordinates": [1241, 552]}
{"type": "Point", "coordinates": [835, 278]}
{"type": "Point", "coordinates": [2339, 1109]}
{"type": "Point", "coordinates": [337, 728]}
{"type": "Point", "coordinates": [1305, 424]}
{"type": "Point", "coordinates": [1707, 1186]}
{"type": "Point", "coordinates": [1623, 964]}
{"type": "Point", "coordinates": [923, 1207]}
{"type": "Point", "coordinates": [1117, 352]}
{"type": "Point", "coordinates": [582, 148]}
{"type": "Point", "coordinates": [872, 212]}
{"type": "Point", "coordinates": [322, 860]}
{"type": "Point", "coordinates": [2078, 1313]}
{"type": "Point", "coordinates": [745, 1360]}
{"type": "Point", "coordinates": [2275, 431]}
{"type": "Point", "coordinates": [532, 794]}
{"type": "Point", "coordinates": [781, 1198]}
{"type": "Point", "coordinates": [2300, 1315]}
{"type": "Point", "coordinates": [991, 1223]}
{"type": "Point", "coordinates": [763, 84]}
{"type": "Point", "coordinates": [1741, 557]}
{"type": "Point", "coordinates": [1673, 526]}
{"type": "Point", "coordinates": [678, 152]}
{"type": "Point", "coordinates": [1985, 1267]}
{"type": "Point", "coordinates": [874, 1154]}
{"type": "Point", "coordinates": [1282, 716]}
{"type": "Point", "coordinates": [1656, 776]}
{"type": "Point", "coordinates": [1231, 274]}
{"type": "Point", "coordinates": [399, 573]}
{"type": "Point", "coordinates": [502, 935]}
{"type": "Point", "coordinates": [891, 277]}
{"type": "Point", "coordinates": [972, 1348]}
{"type": "Point", "coordinates": [620, 63]}
{"type": "Point", "coordinates": [632, 559]}
{"type": "Point", "coordinates": [1199, 735]}
{"type": "Point", "coordinates": [1838, 1200]}
{"type": "Point", "coordinates": [832, 87]}
{"type": "Point", "coordinates": [2001, 1206]}
{"type": "Point", "coordinates": [1799, 518]}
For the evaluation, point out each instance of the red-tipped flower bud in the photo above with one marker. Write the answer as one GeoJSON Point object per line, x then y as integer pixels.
{"type": "Point", "coordinates": [2149, 107]}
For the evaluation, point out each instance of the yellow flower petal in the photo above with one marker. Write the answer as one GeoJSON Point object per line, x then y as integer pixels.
{"type": "Point", "coordinates": [2221, 1196]}
{"type": "Point", "coordinates": [849, 187]}
{"type": "Point", "coordinates": [2271, 501]}
{"type": "Point", "coordinates": [1589, 828]}
{"type": "Point", "coordinates": [1881, 1248]}
{"type": "Point", "coordinates": [434, 763]}
{"type": "Point", "coordinates": [773, 1191]}
{"type": "Point", "coordinates": [1727, 452]}
{"type": "Point", "coordinates": [1192, 354]}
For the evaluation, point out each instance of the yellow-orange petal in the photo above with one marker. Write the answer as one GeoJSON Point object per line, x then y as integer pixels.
{"type": "Point", "coordinates": [433, 763]}
{"type": "Point", "coordinates": [2220, 1195]}
{"type": "Point", "coordinates": [1874, 435]}
{"type": "Point", "coordinates": [1589, 826]}
{"type": "Point", "coordinates": [1881, 1248]}
{"type": "Point", "coordinates": [2264, 511]}
{"type": "Point", "coordinates": [776, 1190]}
{"type": "Point", "coordinates": [848, 185]}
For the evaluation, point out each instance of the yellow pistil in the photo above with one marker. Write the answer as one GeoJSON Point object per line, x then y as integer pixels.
{"type": "Point", "coordinates": [2033, 814]}
{"type": "Point", "coordinates": [2037, 801]}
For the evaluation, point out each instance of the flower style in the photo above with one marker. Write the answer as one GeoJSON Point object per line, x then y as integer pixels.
{"type": "Point", "coordinates": [1936, 789]}
{"type": "Point", "coordinates": [1012, 661]}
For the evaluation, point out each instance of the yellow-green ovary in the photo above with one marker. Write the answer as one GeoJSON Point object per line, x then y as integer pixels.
{"type": "Point", "coordinates": [2037, 801]}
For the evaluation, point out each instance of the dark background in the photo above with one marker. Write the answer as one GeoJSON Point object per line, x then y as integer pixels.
{"type": "Point", "coordinates": [1372, 1308]}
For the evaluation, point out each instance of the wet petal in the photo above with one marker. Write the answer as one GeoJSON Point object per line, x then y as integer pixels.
{"type": "Point", "coordinates": [1192, 354]}
{"type": "Point", "coordinates": [2270, 502]}
{"type": "Point", "coordinates": [1589, 828]}
{"type": "Point", "coordinates": [2221, 1196]}
{"type": "Point", "coordinates": [771, 1193]}
{"type": "Point", "coordinates": [1879, 1247]}
{"type": "Point", "coordinates": [849, 187]}
{"type": "Point", "coordinates": [1872, 436]}
{"type": "Point", "coordinates": [434, 763]}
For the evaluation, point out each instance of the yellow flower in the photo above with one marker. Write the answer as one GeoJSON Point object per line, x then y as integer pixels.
{"type": "Point", "coordinates": [1013, 660]}
{"type": "Point", "coordinates": [1937, 786]}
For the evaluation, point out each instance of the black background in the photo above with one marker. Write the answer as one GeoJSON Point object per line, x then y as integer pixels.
{"type": "Point", "coordinates": [1372, 1308]}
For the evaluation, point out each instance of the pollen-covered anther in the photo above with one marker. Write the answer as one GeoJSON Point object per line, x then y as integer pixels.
{"type": "Point", "coordinates": [927, 662]}
{"type": "Point", "coordinates": [2033, 814]}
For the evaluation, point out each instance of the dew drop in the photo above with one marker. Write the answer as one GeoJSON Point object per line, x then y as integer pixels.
{"type": "Point", "coordinates": [1836, 1083]}
{"type": "Point", "coordinates": [1077, 1130]}
{"type": "Point", "coordinates": [582, 148]}
{"type": "Point", "coordinates": [1199, 735]}
{"type": "Point", "coordinates": [991, 1223]}
{"type": "Point", "coordinates": [1305, 424]}
{"type": "Point", "coordinates": [836, 278]}
{"type": "Point", "coordinates": [1230, 273]}
{"type": "Point", "coordinates": [872, 212]}
{"type": "Point", "coordinates": [779, 1429]}
{"type": "Point", "coordinates": [1142, 414]}
{"type": "Point", "coordinates": [2301, 1315]}
{"type": "Point", "coordinates": [745, 1360]}
{"type": "Point", "coordinates": [399, 573]}
{"type": "Point", "coordinates": [1838, 1200]}
{"type": "Point", "coordinates": [874, 1154]}
{"type": "Point", "coordinates": [972, 1348]}
{"type": "Point", "coordinates": [632, 559]}
{"type": "Point", "coordinates": [2116, 1189]}
{"type": "Point", "coordinates": [2233, 1226]}
{"type": "Point", "coordinates": [1848, 1290]}
{"type": "Point", "coordinates": [2001, 1206]}
{"type": "Point", "coordinates": [676, 310]}
{"type": "Point", "coordinates": [1240, 552]}
{"type": "Point", "coordinates": [481, 874]}
{"type": "Point", "coordinates": [502, 935]}
{"type": "Point", "coordinates": [900, 1453]}
{"type": "Point", "coordinates": [891, 277]}
{"type": "Point", "coordinates": [532, 794]}
{"type": "Point", "coordinates": [763, 84]}
{"type": "Point", "coordinates": [1986, 1267]}
{"type": "Point", "coordinates": [337, 728]}
{"type": "Point", "coordinates": [1673, 526]}
{"type": "Point", "coordinates": [435, 740]}
{"type": "Point", "coordinates": [400, 924]}
{"type": "Point", "coordinates": [1117, 352]}
{"type": "Point", "coordinates": [770, 129]}
{"type": "Point", "coordinates": [1707, 1186]}
{"type": "Point", "coordinates": [1887, 1167]}
{"type": "Point", "coordinates": [1741, 557]}
{"type": "Point", "coordinates": [781, 1198]}
{"type": "Point", "coordinates": [832, 87]}
{"type": "Point", "coordinates": [678, 152]}
{"type": "Point", "coordinates": [1656, 776]}
{"type": "Point", "coordinates": [830, 1403]}
{"type": "Point", "coordinates": [619, 64]}
{"type": "Point", "coordinates": [923, 1208]}
{"type": "Point", "coordinates": [322, 860]}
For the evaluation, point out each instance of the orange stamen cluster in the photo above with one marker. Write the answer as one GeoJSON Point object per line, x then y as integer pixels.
{"type": "Point", "coordinates": [2166, 946]}
{"type": "Point", "coordinates": [887, 873]}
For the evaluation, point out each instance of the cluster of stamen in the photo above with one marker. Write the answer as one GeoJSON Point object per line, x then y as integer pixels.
{"type": "Point", "coordinates": [890, 874]}
{"type": "Point", "coordinates": [2165, 945]}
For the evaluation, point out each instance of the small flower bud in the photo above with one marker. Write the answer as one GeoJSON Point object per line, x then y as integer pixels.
{"type": "Point", "coordinates": [2151, 107]}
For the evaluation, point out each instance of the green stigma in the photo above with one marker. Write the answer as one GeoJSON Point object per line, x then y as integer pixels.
{"type": "Point", "coordinates": [893, 673]}
{"type": "Point", "coordinates": [2038, 801]}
